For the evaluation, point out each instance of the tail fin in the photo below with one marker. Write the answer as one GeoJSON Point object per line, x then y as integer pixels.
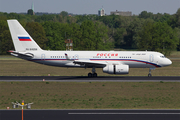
{"type": "Point", "coordinates": [21, 39]}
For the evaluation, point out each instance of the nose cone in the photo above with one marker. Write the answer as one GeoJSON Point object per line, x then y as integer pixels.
{"type": "Point", "coordinates": [167, 62]}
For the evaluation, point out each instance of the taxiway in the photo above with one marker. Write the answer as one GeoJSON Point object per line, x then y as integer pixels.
{"type": "Point", "coordinates": [86, 79]}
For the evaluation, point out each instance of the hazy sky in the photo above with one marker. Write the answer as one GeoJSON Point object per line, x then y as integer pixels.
{"type": "Point", "coordinates": [90, 6]}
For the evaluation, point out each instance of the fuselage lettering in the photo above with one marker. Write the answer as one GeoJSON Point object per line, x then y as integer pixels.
{"type": "Point", "coordinates": [107, 54]}
{"type": "Point", "coordinates": [32, 49]}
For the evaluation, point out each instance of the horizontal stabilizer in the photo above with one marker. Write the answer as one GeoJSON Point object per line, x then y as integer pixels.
{"type": "Point", "coordinates": [22, 55]}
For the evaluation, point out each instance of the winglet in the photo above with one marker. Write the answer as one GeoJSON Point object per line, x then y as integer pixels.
{"type": "Point", "coordinates": [67, 56]}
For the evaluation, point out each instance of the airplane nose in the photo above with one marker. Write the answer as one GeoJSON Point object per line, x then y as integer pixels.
{"type": "Point", "coordinates": [168, 62]}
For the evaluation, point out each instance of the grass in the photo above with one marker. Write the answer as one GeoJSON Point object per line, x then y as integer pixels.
{"type": "Point", "coordinates": [94, 95]}
{"type": "Point", "coordinates": [8, 57]}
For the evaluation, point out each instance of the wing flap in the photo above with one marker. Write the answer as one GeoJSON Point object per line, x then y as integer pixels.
{"type": "Point", "coordinates": [88, 62]}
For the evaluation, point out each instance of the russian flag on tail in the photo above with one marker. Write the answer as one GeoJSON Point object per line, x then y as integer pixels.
{"type": "Point", "coordinates": [24, 39]}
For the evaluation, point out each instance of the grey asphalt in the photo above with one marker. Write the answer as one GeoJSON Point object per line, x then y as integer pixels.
{"type": "Point", "coordinates": [90, 115]}
{"type": "Point", "coordinates": [86, 79]}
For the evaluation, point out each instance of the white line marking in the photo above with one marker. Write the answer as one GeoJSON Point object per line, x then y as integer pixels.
{"type": "Point", "coordinates": [123, 113]}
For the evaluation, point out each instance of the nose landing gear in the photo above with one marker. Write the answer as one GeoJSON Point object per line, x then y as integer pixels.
{"type": "Point", "coordinates": [149, 75]}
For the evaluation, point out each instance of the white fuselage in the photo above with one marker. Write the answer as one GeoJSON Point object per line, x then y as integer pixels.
{"type": "Point", "coordinates": [135, 59]}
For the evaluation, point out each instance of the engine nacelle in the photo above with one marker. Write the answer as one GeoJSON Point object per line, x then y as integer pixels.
{"type": "Point", "coordinates": [116, 69]}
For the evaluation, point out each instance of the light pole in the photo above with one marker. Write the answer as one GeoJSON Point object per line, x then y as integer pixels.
{"type": "Point", "coordinates": [22, 105]}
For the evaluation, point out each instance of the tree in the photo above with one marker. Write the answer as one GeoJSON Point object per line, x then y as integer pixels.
{"type": "Point", "coordinates": [92, 36]}
{"type": "Point", "coordinates": [174, 20]}
{"type": "Point", "coordinates": [64, 13]}
{"type": "Point", "coordinates": [76, 36]}
{"type": "Point", "coordinates": [108, 20]}
{"type": "Point", "coordinates": [145, 15]}
{"type": "Point", "coordinates": [177, 15]}
{"type": "Point", "coordinates": [162, 17]}
{"type": "Point", "coordinates": [119, 35]}
{"type": "Point", "coordinates": [37, 33]}
{"type": "Point", "coordinates": [102, 40]}
{"type": "Point", "coordinates": [6, 43]}
{"type": "Point", "coordinates": [55, 33]}
{"type": "Point", "coordinates": [88, 35]}
{"type": "Point", "coordinates": [178, 33]}
{"type": "Point", "coordinates": [157, 37]}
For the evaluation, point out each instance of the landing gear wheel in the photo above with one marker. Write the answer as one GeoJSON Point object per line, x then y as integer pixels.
{"type": "Point", "coordinates": [149, 75]}
{"type": "Point", "coordinates": [95, 75]}
{"type": "Point", "coordinates": [90, 74]}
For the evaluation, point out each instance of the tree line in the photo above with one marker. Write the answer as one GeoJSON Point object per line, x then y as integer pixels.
{"type": "Point", "coordinates": [146, 31]}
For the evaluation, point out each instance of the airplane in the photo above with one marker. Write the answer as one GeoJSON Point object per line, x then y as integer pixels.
{"type": "Point", "coordinates": [111, 62]}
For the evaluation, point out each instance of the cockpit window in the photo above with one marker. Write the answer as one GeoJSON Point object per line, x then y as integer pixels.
{"type": "Point", "coordinates": [162, 56]}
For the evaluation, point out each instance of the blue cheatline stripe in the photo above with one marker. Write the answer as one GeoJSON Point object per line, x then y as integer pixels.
{"type": "Point", "coordinates": [127, 60]}
{"type": "Point", "coordinates": [104, 60]}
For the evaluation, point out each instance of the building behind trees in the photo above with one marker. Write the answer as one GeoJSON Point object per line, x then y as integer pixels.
{"type": "Point", "coordinates": [31, 11]}
{"type": "Point", "coordinates": [101, 12]}
{"type": "Point", "coordinates": [122, 13]}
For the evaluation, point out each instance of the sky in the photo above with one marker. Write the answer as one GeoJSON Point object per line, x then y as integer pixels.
{"type": "Point", "coordinates": [90, 6]}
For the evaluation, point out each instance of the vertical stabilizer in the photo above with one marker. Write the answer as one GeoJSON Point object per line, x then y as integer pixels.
{"type": "Point", "coordinates": [21, 39]}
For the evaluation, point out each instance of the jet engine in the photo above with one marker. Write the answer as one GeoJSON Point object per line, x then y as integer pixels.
{"type": "Point", "coordinates": [116, 69]}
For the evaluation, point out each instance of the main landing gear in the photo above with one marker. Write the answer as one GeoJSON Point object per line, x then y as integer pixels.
{"type": "Point", "coordinates": [93, 74]}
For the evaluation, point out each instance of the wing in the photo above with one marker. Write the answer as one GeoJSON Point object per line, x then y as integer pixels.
{"type": "Point", "coordinates": [87, 63]}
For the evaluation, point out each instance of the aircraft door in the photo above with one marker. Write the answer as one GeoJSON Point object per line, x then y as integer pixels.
{"type": "Point", "coordinates": [151, 58]}
{"type": "Point", "coordinates": [76, 57]}
{"type": "Point", "coordinates": [42, 56]}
